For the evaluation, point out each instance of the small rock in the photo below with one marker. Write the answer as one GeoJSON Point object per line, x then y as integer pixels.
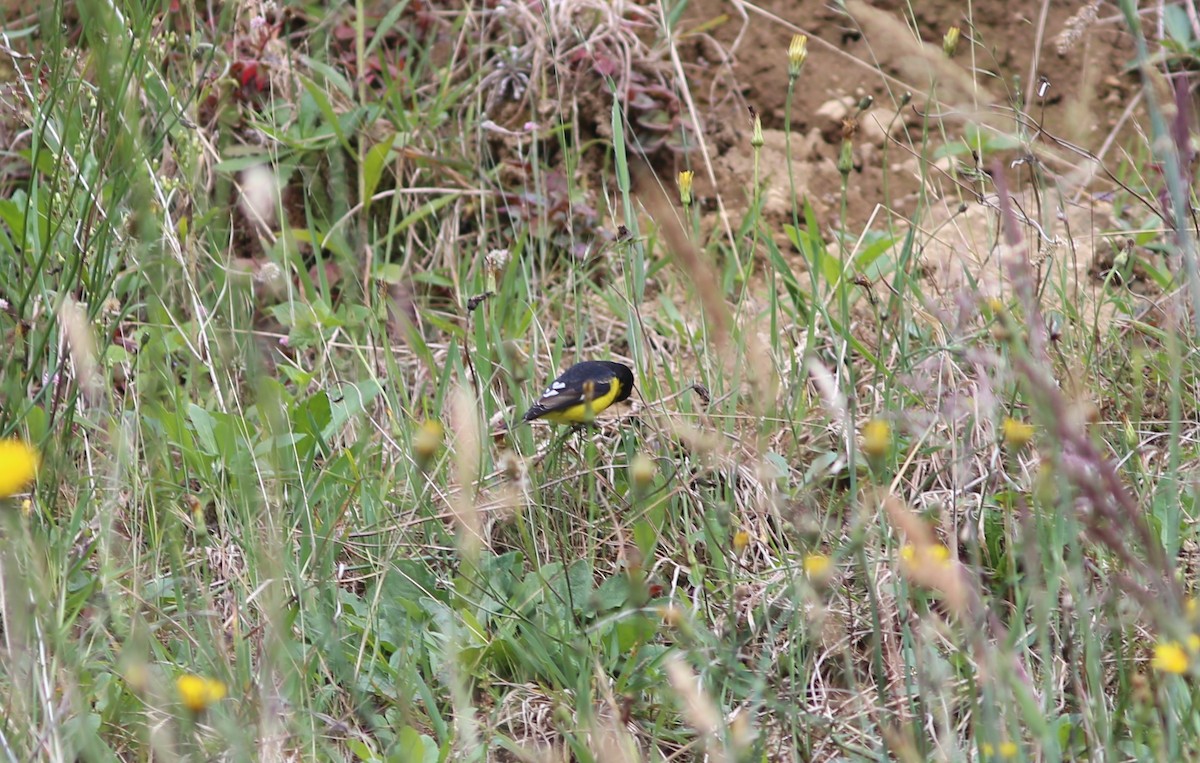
{"type": "Point", "coordinates": [828, 118]}
{"type": "Point", "coordinates": [876, 125]}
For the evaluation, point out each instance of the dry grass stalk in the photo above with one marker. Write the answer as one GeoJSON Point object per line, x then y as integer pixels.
{"type": "Point", "coordinates": [699, 709]}
{"type": "Point", "coordinates": [466, 445]}
{"type": "Point", "coordinates": [82, 345]}
{"type": "Point", "coordinates": [692, 262]}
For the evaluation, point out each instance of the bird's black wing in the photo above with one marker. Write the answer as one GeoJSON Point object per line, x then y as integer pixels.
{"type": "Point", "coordinates": [566, 391]}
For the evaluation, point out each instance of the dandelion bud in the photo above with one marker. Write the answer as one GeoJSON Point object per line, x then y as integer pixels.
{"type": "Point", "coordinates": [797, 53]}
{"type": "Point", "coordinates": [846, 158]}
{"type": "Point", "coordinates": [756, 138]}
{"type": "Point", "coordinates": [685, 187]}
{"type": "Point", "coordinates": [642, 471]}
{"type": "Point", "coordinates": [950, 41]}
{"type": "Point", "coordinates": [1121, 260]}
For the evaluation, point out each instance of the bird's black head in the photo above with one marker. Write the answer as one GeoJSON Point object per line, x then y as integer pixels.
{"type": "Point", "coordinates": [624, 374]}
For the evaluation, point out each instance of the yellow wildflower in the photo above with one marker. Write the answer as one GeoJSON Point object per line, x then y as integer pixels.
{"type": "Point", "coordinates": [197, 692]}
{"type": "Point", "coordinates": [685, 186]}
{"type": "Point", "coordinates": [1007, 750]}
{"type": "Point", "coordinates": [1194, 643]}
{"type": "Point", "coordinates": [797, 54]}
{"type": "Point", "coordinates": [19, 464]}
{"type": "Point", "coordinates": [427, 441]}
{"type": "Point", "coordinates": [1017, 433]}
{"type": "Point", "coordinates": [876, 438]}
{"type": "Point", "coordinates": [1170, 657]}
{"type": "Point", "coordinates": [741, 539]}
{"type": "Point", "coordinates": [817, 566]}
{"type": "Point", "coordinates": [930, 554]}
{"type": "Point", "coordinates": [950, 41]}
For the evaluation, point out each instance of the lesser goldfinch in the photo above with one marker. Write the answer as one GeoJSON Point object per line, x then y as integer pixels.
{"type": "Point", "coordinates": [582, 391]}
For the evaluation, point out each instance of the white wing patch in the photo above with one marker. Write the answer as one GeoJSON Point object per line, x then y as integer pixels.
{"type": "Point", "coordinates": [552, 390]}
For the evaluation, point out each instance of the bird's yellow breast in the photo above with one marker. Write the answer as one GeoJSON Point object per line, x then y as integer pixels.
{"type": "Point", "coordinates": [584, 412]}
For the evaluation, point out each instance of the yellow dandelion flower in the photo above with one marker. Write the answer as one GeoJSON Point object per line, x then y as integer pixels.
{"type": "Point", "coordinates": [427, 441]}
{"type": "Point", "coordinates": [19, 464]}
{"type": "Point", "coordinates": [925, 556]}
{"type": "Point", "coordinates": [986, 749]}
{"type": "Point", "coordinates": [1193, 642]}
{"type": "Point", "coordinates": [1170, 657]}
{"type": "Point", "coordinates": [741, 539]}
{"type": "Point", "coordinates": [1009, 749]}
{"type": "Point", "coordinates": [817, 566]}
{"type": "Point", "coordinates": [1017, 434]}
{"type": "Point", "coordinates": [197, 693]}
{"type": "Point", "coordinates": [876, 438]}
{"type": "Point", "coordinates": [938, 553]}
{"type": "Point", "coordinates": [685, 186]}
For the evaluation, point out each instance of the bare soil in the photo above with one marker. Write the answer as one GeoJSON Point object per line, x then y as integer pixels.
{"type": "Point", "coordinates": [901, 175]}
